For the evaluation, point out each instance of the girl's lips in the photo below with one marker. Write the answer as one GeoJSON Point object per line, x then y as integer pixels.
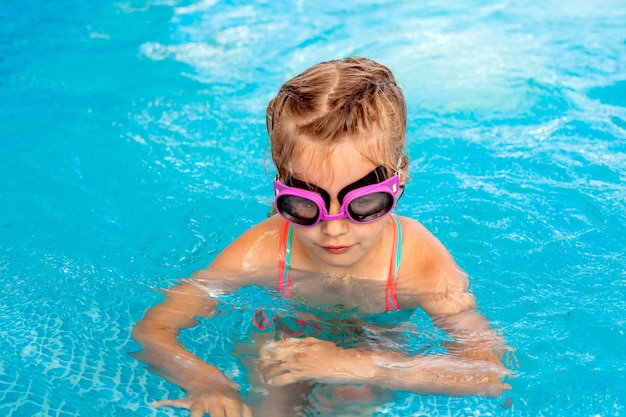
{"type": "Point", "coordinates": [336, 250]}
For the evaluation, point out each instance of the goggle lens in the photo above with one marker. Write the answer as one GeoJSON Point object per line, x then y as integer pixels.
{"type": "Point", "coordinates": [298, 210]}
{"type": "Point", "coordinates": [370, 207]}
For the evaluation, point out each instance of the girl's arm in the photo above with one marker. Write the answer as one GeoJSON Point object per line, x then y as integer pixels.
{"type": "Point", "coordinates": [472, 364]}
{"type": "Point", "coordinates": [470, 367]}
{"type": "Point", "coordinates": [208, 389]}
{"type": "Point", "coordinates": [157, 332]}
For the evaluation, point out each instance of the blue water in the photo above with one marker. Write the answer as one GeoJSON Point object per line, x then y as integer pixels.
{"type": "Point", "coordinates": [133, 150]}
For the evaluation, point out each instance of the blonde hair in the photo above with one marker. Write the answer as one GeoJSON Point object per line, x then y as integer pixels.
{"type": "Point", "coordinates": [352, 99]}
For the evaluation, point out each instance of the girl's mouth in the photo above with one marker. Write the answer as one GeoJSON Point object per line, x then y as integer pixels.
{"type": "Point", "coordinates": [336, 250]}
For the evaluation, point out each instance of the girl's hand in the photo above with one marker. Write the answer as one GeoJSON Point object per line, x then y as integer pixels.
{"type": "Point", "coordinates": [215, 404]}
{"type": "Point", "coordinates": [291, 360]}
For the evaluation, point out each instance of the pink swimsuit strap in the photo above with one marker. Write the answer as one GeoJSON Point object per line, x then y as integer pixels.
{"type": "Point", "coordinates": [284, 258]}
{"type": "Point", "coordinates": [391, 299]}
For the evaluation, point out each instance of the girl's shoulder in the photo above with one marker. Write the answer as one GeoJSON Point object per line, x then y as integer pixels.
{"type": "Point", "coordinates": [254, 251]}
{"type": "Point", "coordinates": [416, 236]}
{"type": "Point", "coordinates": [426, 265]}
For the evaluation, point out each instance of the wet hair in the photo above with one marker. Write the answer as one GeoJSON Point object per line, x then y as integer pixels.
{"type": "Point", "coordinates": [354, 99]}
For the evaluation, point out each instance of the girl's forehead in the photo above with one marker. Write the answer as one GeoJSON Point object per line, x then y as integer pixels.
{"type": "Point", "coordinates": [330, 169]}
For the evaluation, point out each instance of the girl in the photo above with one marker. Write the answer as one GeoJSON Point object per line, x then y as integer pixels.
{"type": "Point", "coordinates": [337, 139]}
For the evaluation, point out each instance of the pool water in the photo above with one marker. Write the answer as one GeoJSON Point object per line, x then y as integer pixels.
{"type": "Point", "coordinates": [134, 150]}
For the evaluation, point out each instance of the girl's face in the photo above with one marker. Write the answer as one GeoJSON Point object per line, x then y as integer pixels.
{"type": "Point", "coordinates": [342, 245]}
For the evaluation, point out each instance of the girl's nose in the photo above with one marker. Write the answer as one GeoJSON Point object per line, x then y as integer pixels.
{"type": "Point", "coordinates": [335, 227]}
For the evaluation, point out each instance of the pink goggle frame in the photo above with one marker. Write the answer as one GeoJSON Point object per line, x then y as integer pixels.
{"type": "Point", "coordinates": [364, 201]}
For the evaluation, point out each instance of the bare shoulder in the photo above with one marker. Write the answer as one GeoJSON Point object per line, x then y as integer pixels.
{"type": "Point", "coordinates": [429, 277]}
{"type": "Point", "coordinates": [423, 249]}
{"type": "Point", "coordinates": [255, 251]}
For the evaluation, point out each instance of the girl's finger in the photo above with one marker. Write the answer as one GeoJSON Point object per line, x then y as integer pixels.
{"type": "Point", "coordinates": [247, 411]}
{"type": "Point", "coordinates": [197, 412]}
{"type": "Point", "coordinates": [168, 403]}
{"type": "Point", "coordinates": [237, 410]}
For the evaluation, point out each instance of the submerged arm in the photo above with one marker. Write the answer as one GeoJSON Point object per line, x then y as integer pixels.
{"type": "Point", "coordinates": [244, 261]}
{"type": "Point", "coordinates": [208, 389]}
{"type": "Point", "coordinates": [157, 334]}
{"type": "Point", "coordinates": [470, 366]}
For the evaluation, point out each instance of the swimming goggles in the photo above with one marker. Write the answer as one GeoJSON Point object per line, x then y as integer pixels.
{"type": "Point", "coordinates": [363, 201]}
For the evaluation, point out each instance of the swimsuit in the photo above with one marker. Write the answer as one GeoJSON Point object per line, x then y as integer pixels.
{"type": "Point", "coordinates": [337, 328]}
{"type": "Point", "coordinates": [284, 258]}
